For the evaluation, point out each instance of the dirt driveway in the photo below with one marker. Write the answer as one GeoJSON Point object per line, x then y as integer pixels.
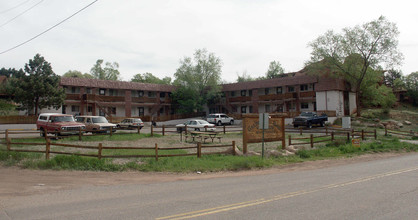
{"type": "Point", "coordinates": [21, 182]}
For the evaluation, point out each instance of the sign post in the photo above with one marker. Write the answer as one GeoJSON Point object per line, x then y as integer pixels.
{"type": "Point", "coordinates": [263, 124]}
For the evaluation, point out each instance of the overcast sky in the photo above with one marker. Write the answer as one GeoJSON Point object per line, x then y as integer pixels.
{"type": "Point", "coordinates": [153, 36]}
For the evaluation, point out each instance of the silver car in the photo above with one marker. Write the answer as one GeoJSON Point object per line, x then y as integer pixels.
{"type": "Point", "coordinates": [196, 125]}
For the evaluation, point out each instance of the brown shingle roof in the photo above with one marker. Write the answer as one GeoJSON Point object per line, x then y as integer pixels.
{"type": "Point", "coordinates": [109, 84]}
{"type": "Point", "coordinates": [269, 83]}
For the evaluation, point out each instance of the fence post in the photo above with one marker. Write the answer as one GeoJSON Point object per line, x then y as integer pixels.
{"type": "Point", "coordinates": [111, 131]}
{"type": "Point", "coordinates": [224, 130]}
{"type": "Point", "coordinates": [8, 144]}
{"type": "Point", "coordinates": [233, 148]}
{"type": "Point", "coordinates": [348, 137]}
{"type": "Point", "coordinates": [139, 130]}
{"type": "Point", "coordinates": [362, 134]}
{"type": "Point", "coordinates": [152, 130]}
{"type": "Point", "coordinates": [156, 151]}
{"type": "Point", "coordinates": [375, 134]}
{"type": "Point", "coordinates": [311, 140]}
{"type": "Point", "coordinates": [163, 130]}
{"type": "Point", "coordinates": [326, 130]}
{"type": "Point", "coordinates": [6, 134]}
{"type": "Point", "coordinates": [199, 149]}
{"type": "Point", "coordinates": [48, 148]}
{"type": "Point", "coordinates": [79, 134]}
{"type": "Point", "coordinates": [99, 154]}
{"type": "Point", "coordinates": [332, 136]}
{"type": "Point", "coordinates": [290, 140]}
{"type": "Point", "coordinates": [386, 131]}
{"type": "Point", "coordinates": [300, 131]}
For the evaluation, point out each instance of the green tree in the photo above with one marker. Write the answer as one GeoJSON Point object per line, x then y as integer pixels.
{"type": "Point", "coordinates": [38, 88]}
{"type": "Point", "coordinates": [369, 45]}
{"type": "Point", "coordinates": [275, 70]}
{"type": "Point", "coordinates": [77, 74]}
{"type": "Point", "coordinates": [109, 72]}
{"type": "Point", "coordinates": [245, 77]}
{"type": "Point", "coordinates": [198, 81]}
{"type": "Point", "coordinates": [150, 78]}
{"type": "Point", "coordinates": [11, 72]}
{"type": "Point", "coordinates": [411, 84]}
{"type": "Point", "coordinates": [392, 75]}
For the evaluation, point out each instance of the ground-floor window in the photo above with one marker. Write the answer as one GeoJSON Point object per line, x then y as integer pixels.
{"type": "Point", "coordinates": [141, 111]}
{"type": "Point", "coordinates": [304, 105]}
{"type": "Point", "coordinates": [243, 109]}
{"type": "Point", "coordinates": [75, 108]}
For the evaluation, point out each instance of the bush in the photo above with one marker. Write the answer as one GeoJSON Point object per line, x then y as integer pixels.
{"type": "Point", "coordinates": [303, 154]}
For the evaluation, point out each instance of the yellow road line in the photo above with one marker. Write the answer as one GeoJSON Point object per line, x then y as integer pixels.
{"type": "Point", "coordinates": [230, 207]}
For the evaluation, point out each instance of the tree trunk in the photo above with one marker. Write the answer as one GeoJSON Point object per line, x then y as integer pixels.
{"type": "Point", "coordinates": [36, 106]}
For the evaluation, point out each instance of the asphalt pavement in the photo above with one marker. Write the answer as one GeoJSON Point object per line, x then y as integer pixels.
{"type": "Point", "coordinates": [378, 189]}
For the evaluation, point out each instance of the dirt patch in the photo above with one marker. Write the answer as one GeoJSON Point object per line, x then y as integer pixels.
{"type": "Point", "coordinates": [21, 182]}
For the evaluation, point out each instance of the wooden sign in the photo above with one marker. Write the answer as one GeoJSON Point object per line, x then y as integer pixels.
{"type": "Point", "coordinates": [253, 134]}
{"type": "Point", "coordinates": [355, 142]}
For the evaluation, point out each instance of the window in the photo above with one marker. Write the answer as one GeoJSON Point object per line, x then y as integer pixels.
{"type": "Point", "coordinates": [140, 93]}
{"type": "Point", "coordinates": [75, 108]}
{"type": "Point", "coordinates": [102, 91]}
{"type": "Point", "coordinates": [250, 92]}
{"type": "Point", "coordinates": [89, 108]}
{"type": "Point", "coordinates": [267, 108]}
{"type": "Point", "coordinates": [162, 94]}
{"type": "Point", "coordinates": [112, 110]}
{"type": "Point", "coordinates": [243, 92]}
{"type": "Point", "coordinates": [280, 108]}
{"type": "Point", "coordinates": [88, 91]}
{"type": "Point", "coordinates": [279, 90]}
{"type": "Point", "coordinates": [304, 105]}
{"type": "Point", "coordinates": [266, 91]}
{"type": "Point", "coordinates": [250, 109]}
{"type": "Point", "coordinates": [161, 110]}
{"type": "Point", "coordinates": [111, 92]}
{"type": "Point", "coordinates": [304, 87]}
{"type": "Point", "coordinates": [141, 111]}
{"type": "Point", "coordinates": [151, 94]}
{"type": "Point", "coordinates": [64, 109]}
{"type": "Point", "coordinates": [290, 89]}
{"type": "Point", "coordinates": [243, 109]}
{"type": "Point", "coordinates": [73, 90]}
{"type": "Point", "coordinates": [232, 93]}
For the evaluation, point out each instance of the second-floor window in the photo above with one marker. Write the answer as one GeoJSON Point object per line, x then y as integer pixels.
{"type": "Point", "coordinates": [102, 91]}
{"type": "Point", "coordinates": [304, 87]}
{"type": "Point", "coordinates": [243, 92]}
{"type": "Point", "coordinates": [140, 93]}
{"type": "Point", "coordinates": [232, 93]}
{"type": "Point", "coordinates": [88, 90]}
{"type": "Point", "coordinates": [279, 90]}
{"type": "Point", "coordinates": [290, 89]}
{"type": "Point", "coordinates": [112, 92]}
{"type": "Point", "coordinates": [266, 91]}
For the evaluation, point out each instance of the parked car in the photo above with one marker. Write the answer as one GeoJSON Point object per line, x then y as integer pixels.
{"type": "Point", "coordinates": [196, 125]}
{"type": "Point", "coordinates": [308, 119]}
{"type": "Point", "coordinates": [58, 124]}
{"type": "Point", "coordinates": [220, 119]}
{"type": "Point", "coordinates": [96, 124]}
{"type": "Point", "coordinates": [131, 123]}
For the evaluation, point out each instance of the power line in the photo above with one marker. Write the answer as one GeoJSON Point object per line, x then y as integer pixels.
{"type": "Point", "coordinates": [17, 6]}
{"type": "Point", "coordinates": [49, 28]}
{"type": "Point", "coordinates": [21, 13]}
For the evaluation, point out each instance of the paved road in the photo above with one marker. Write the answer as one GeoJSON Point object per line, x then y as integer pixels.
{"type": "Point", "coordinates": [380, 189]}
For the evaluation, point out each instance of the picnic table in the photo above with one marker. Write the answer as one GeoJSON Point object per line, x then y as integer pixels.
{"type": "Point", "coordinates": [203, 135]}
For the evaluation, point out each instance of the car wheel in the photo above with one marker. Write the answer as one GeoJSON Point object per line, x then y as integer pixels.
{"type": "Point", "coordinates": [232, 122]}
{"type": "Point", "coordinates": [219, 123]}
{"type": "Point", "coordinates": [42, 132]}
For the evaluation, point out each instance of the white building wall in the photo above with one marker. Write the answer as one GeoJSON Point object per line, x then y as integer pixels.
{"type": "Point", "coordinates": [353, 105]}
{"type": "Point", "coordinates": [330, 101]}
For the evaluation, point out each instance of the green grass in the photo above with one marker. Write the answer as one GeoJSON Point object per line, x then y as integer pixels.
{"type": "Point", "coordinates": [207, 163]}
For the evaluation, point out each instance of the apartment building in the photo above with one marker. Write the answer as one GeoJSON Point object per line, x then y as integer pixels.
{"type": "Point", "coordinates": [294, 93]}
{"type": "Point", "coordinates": [115, 98]}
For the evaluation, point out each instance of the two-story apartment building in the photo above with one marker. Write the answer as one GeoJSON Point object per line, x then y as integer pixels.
{"type": "Point", "coordinates": [115, 98]}
{"type": "Point", "coordinates": [296, 92]}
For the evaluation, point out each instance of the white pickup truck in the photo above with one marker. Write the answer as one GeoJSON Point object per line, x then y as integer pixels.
{"type": "Point", "coordinates": [220, 119]}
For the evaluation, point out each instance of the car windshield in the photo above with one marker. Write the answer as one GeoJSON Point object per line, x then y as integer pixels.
{"type": "Point", "coordinates": [138, 120]}
{"type": "Point", "coordinates": [306, 114]}
{"type": "Point", "coordinates": [100, 120]}
{"type": "Point", "coordinates": [79, 119]}
{"type": "Point", "coordinates": [203, 122]}
{"type": "Point", "coordinates": [62, 118]}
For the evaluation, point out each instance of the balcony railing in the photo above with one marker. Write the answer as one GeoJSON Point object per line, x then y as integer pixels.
{"type": "Point", "coordinates": [72, 96]}
{"type": "Point", "coordinates": [240, 99]}
{"type": "Point", "coordinates": [144, 100]}
{"type": "Point", "coordinates": [307, 94]}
